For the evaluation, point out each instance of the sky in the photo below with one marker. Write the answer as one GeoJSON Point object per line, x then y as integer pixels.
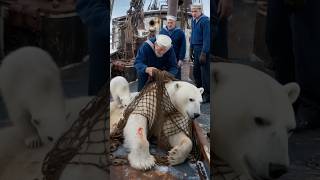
{"type": "Point", "coordinates": [120, 7]}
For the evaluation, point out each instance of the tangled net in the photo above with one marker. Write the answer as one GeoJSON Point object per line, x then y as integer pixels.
{"type": "Point", "coordinates": [85, 143]}
{"type": "Point", "coordinates": [154, 103]}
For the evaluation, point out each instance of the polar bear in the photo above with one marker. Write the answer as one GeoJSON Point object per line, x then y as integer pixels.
{"type": "Point", "coordinates": [122, 97]}
{"type": "Point", "coordinates": [252, 121]}
{"type": "Point", "coordinates": [186, 98]}
{"type": "Point", "coordinates": [31, 88]}
{"type": "Point", "coordinates": [120, 91]}
{"type": "Point", "coordinates": [14, 155]}
{"type": "Point", "coordinates": [116, 111]}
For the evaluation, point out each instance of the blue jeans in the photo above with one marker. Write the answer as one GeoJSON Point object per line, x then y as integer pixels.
{"type": "Point", "coordinates": [201, 72]}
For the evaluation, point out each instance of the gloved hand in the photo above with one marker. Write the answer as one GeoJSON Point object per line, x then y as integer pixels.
{"type": "Point", "coordinates": [191, 54]}
{"type": "Point", "coordinates": [203, 58]}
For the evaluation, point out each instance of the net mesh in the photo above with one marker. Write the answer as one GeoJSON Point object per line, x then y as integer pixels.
{"type": "Point", "coordinates": [85, 143]}
{"type": "Point", "coordinates": [153, 102]}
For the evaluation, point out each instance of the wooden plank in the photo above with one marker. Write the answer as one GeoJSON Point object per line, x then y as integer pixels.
{"type": "Point", "coordinates": [204, 144]}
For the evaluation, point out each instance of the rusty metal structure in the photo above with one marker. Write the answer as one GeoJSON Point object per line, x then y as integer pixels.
{"type": "Point", "coordinates": [129, 33]}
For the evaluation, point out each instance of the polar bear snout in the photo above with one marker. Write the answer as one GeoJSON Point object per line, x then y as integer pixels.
{"type": "Point", "coordinates": [277, 170]}
{"type": "Point", "coordinates": [193, 115]}
{"type": "Point", "coordinates": [196, 115]}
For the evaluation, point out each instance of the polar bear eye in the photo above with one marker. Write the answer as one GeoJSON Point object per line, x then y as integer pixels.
{"type": "Point", "coordinates": [191, 100]}
{"type": "Point", "coordinates": [36, 122]}
{"type": "Point", "coordinates": [290, 131]}
{"type": "Point", "coordinates": [261, 122]}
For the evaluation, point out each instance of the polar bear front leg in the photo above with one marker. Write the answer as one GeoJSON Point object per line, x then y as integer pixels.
{"type": "Point", "coordinates": [182, 146]}
{"type": "Point", "coordinates": [22, 120]}
{"type": "Point", "coordinates": [135, 133]}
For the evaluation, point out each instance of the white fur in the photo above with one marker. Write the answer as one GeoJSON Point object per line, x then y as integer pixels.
{"type": "Point", "coordinates": [186, 98]}
{"type": "Point", "coordinates": [119, 89]}
{"type": "Point", "coordinates": [31, 88]}
{"type": "Point", "coordinates": [116, 112]}
{"type": "Point", "coordinates": [241, 94]}
{"type": "Point", "coordinates": [14, 155]}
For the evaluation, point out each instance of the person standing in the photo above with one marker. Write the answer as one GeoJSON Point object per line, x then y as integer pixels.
{"type": "Point", "coordinates": [95, 14]}
{"type": "Point", "coordinates": [178, 41]}
{"type": "Point", "coordinates": [292, 37]}
{"type": "Point", "coordinates": [199, 49]}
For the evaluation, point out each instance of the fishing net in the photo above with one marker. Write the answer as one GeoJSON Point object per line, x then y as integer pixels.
{"type": "Point", "coordinates": [153, 102]}
{"type": "Point", "coordinates": [85, 143]}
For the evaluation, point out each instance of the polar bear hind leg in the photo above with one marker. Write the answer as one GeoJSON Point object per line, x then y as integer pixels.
{"type": "Point", "coordinates": [181, 147]}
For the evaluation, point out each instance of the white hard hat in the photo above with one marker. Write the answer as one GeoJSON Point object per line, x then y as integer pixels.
{"type": "Point", "coordinates": [163, 40]}
{"type": "Point", "coordinates": [171, 17]}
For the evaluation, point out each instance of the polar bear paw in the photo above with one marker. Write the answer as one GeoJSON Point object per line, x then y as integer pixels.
{"type": "Point", "coordinates": [141, 161]}
{"type": "Point", "coordinates": [175, 156]}
{"type": "Point", "coordinates": [33, 141]}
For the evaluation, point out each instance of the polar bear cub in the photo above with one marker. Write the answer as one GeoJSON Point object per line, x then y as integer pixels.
{"type": "Point", "coordinates": [31, 88]}
{"type": "Point", "coordinates": [120, 92]}
{"type": "Point", "coordinates": [253, 119]}
{"type": "Point", "coordinates": [186, 98]}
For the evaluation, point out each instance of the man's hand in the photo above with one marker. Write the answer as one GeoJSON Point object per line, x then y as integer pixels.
{"type": "Point", "coordinates": [191, 54]}
{"type": "Point", "coordinates": [149, 70]}
{"type": "Point", "coordinates": [180, 63]}
{"type": "Point", "coordinates": [203, 58]}
{"type": "Point", "coordinates": [225, 8]}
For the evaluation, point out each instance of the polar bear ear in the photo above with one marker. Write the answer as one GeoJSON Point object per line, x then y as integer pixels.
{"type": "Point", "coordinates": [201, 90]}
{"type": "Point", "coordinates": [293, 91]}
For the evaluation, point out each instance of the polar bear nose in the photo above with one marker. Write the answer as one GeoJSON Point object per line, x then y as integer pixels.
{"type": "Point", "coordinates": [50, 138]}
{"type": "Point", "coordinates": [277, 170]}
{"type": "Point", "coordinates": [195, 115]}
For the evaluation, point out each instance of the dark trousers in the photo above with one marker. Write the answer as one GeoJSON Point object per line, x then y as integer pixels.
{"type": "Point", "coordinates": [219, 28]}
{"type": "Point", "coordinates": [142, 80]}
{"type": "Point", "coordinates": [293, 37]}
{"type": "Point", "coordinates": [178, 76]}
{"type": "Point", "coordinates": [201, 72]}
{"type": "Point", "coordinates": [98, 62]}
{"type": "Point", "coordinates": [279, 41]}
